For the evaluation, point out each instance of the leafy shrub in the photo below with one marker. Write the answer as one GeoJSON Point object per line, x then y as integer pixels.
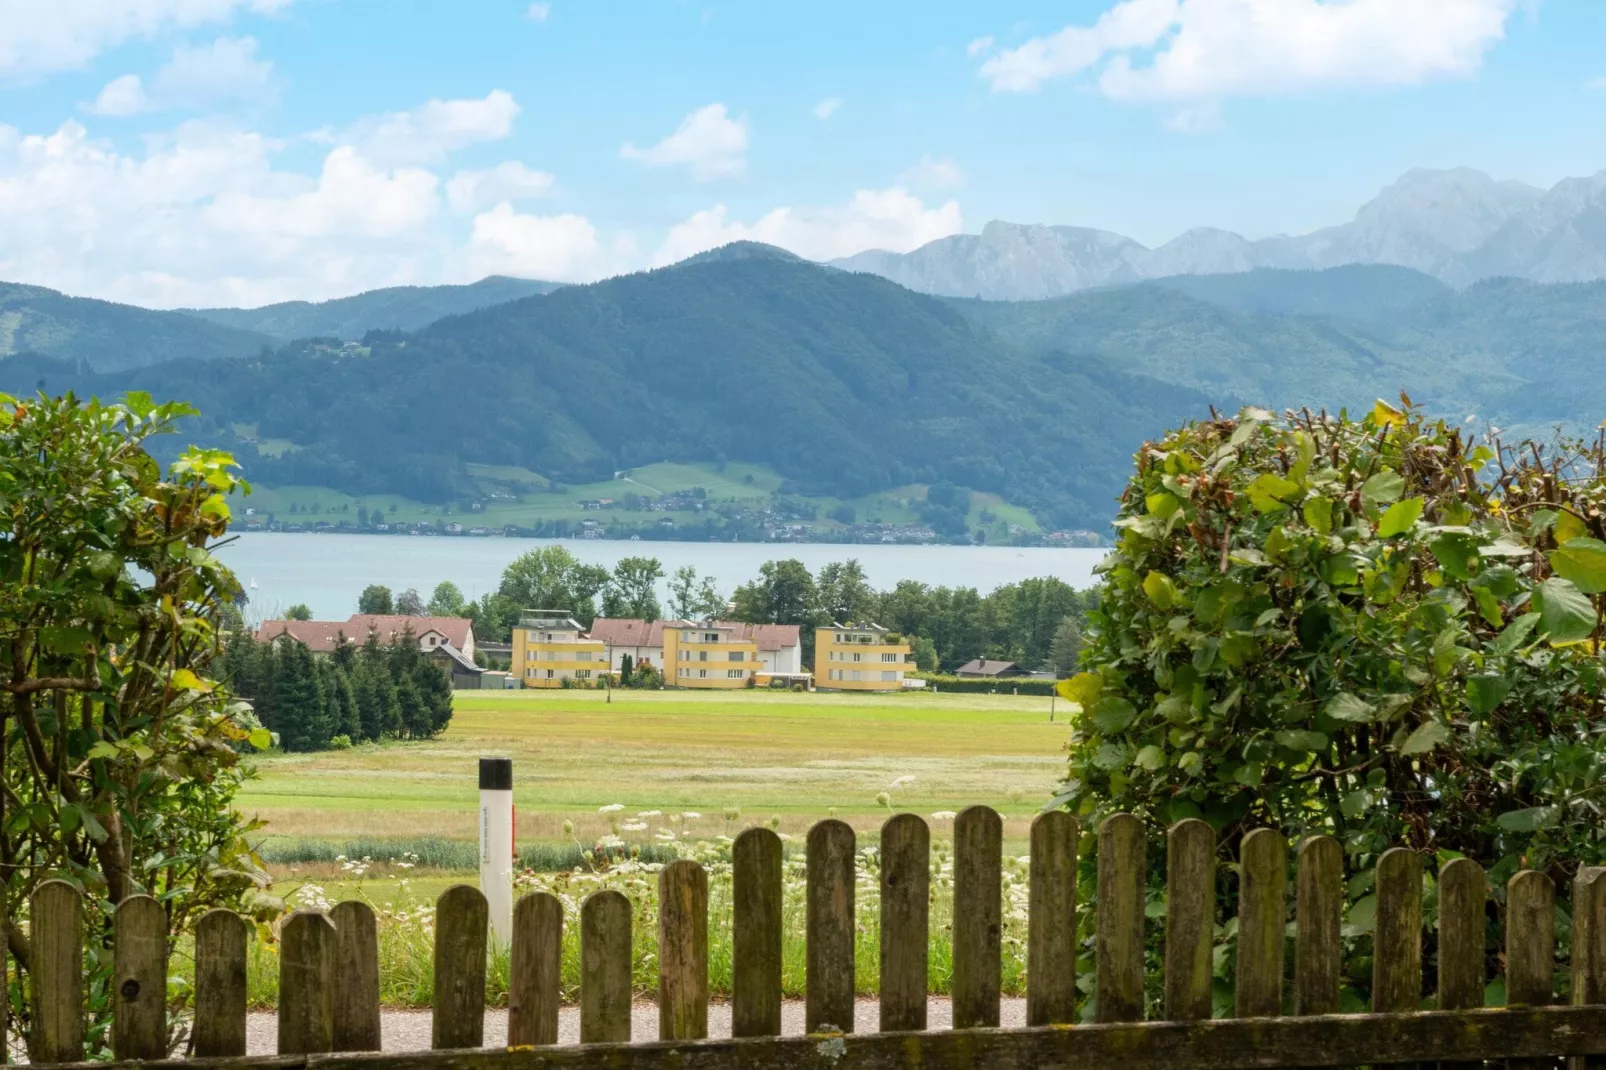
{"type": "Point", "coordinates": [340, 743]}
{"type": "Point", "coordinates": [1005, 685]}
{"type": "Point", "coordinates": [1374, 629]}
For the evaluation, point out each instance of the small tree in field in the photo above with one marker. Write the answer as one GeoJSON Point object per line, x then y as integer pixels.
{"type": "Point", "coordinates": [120, 753]}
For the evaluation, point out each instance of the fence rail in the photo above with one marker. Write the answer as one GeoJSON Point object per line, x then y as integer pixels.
{"type": "Point", "coordinates": [329, 980]}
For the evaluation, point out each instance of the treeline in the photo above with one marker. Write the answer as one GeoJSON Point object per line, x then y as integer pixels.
{"type": "Point", "coordinates": [358, 694]}
{"type": "Point", "coordinates": [1036, 623]}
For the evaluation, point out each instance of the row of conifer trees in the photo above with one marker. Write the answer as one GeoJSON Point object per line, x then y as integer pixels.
{"type": "Point", "coordinates": [358, 694]}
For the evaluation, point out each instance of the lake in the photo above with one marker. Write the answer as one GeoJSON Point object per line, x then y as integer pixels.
{"type": "Point", "coordinates": [327, 572]}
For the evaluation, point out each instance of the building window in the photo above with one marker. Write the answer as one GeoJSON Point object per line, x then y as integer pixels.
{"type": "Point", "coordinates": [702, 674]}
{"type": "Point", "coordinates": [702, 655]}
{"type": "Point", "coordinates": [889, 657]}
{"type": "Point", "coordinates": [549, 674]}
{"type": "Point", "coordinates": [857, 675]}
{"type": "Point", "coordinates": [889, 674]}
{"type": "Point", "coordinates": [529, 672]}
{"type": "Point", "coordinates": [685, 672]}
{"type": "Point", "coordinates": [582, 674]}
{"type": "Point", "coordinates": [836, 674]}
{"type": "Point", "coordinates": [738, 655]}
{"type": "Point", "coordinates": [857, 656]}
{"type": "Point", "coordinates": [710, 637]}
{"type": "Point", "coordinates": [688, 637]}
{"type": "Point", "coordinates": [735, 674]}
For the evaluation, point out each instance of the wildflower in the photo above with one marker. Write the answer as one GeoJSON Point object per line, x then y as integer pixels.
{"type": "Point", "coordinates": [568, 828]}
{"type": "Point", "coordinates": [650, 813]}
{"type": "Point", "coordinates": [944, 815]}
{"type": "Point", "coordinates": [901, 781]}
{"type": "Point", "coordinates": [690, 815]}
{"type": "Point", "coordinates": [611, 808]}
{"type": "Point", "coordinates": [775, 821]}
{"type": "Point", "coordinates": [634, 826]}
{"type": "Point", "coordinates": [883, 799]}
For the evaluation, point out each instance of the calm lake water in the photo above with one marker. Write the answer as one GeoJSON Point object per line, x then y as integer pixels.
{"type": "Point", "coordinates": [327, 572]}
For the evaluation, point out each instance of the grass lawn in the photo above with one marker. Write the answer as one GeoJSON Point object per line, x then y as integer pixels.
{"type": "Point", "coordinates": [735, 758]}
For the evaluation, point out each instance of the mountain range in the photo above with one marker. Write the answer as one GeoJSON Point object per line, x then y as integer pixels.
{"type": "Point", "coordinates": [844, 383]}
{"type": "Point", "coordinates": [1457, 225]}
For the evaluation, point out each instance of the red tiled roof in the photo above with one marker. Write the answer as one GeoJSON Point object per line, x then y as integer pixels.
{"type": "Point", "coordinates": [323, 635]}
{"type": "Point", "coordinates": [625, 631]}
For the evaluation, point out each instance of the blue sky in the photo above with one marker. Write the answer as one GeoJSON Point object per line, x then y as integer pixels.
{"type": "Point", "coordinates": [172, 152]}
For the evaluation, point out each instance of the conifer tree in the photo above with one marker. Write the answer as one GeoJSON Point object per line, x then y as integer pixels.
{"type": "Point", "coordinates": [298, 703]}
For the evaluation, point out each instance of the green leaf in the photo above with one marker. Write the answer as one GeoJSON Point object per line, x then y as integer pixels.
{"type": "Point", "coordinates": [1319, 514]}
{"type": "Point", "coordinates": [1566, 612]}
{"type": "Point", "coordinates": [1457, 554]}
{"type": "Point", "coordinates": [1270, 492]}
{"type": "Point", "coordinates": [1161, 591]}
{"type": "Point", "coordinates": [65, 640]}
{"type": "Point", "coordinates": [1428, 734]}
{"type": "Point", "coordinates": [1583, 561]}
{"type": "Point", "coordinates": [1529, 820]}
{"type": "Point", "coordinates": [186, 680]}
{"type": "Point", "coordinates": [1484, 693]}
{"type": "Point", "coordinates": [1301, 740]}
{"type": "Point", "coordinates": [260, 738]}
{"type": "Point", "coordinates": [1569, 527]}
{"type": "Point", "coordinates": [1248, 555]}
{"type": "Point", "coordinates": [1150, 758]}
{"type": "Point", "coordinates": [1514, 634]}
{"type": "Point", "coordinates": [1113, 714]}
{"type": "Point", "coordinates": [1400, 518]}
{"type": "Point", "coordinates": [1386, 486]}
{"type": "Point", "coordinates": [1346, 707]}
{"type": "Point", "coordinates": [1162, 503]}
{"type": "Point", "coordinates": [1082, 688]}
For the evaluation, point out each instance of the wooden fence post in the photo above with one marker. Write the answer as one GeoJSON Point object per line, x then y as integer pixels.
{"type": "Point", "coordinates": [978, 917]}
{"type": "Point", "coordinates": [1051, 921]}
{"type": "Point", "coordinates": [756, 888]}
{"type": "Point", "coordinates": [535, 965]}
{"type": "Point", "coordinates": [605, 947]}
{"type": "Point", "coordinates": [306, 977]}
{"type": "Point", "coordinates": [1589, 950]}
{"type": "Point", "coordinates": [1530, 948]}
{"type": "Point", "coordinates": [1462, 899]}
{"type": "Point", "coordinates": [905, 921]}
{"type": "Point", "coordinates": [139, 979]}
{"type": "Point", "coordinates": [1318, 917]}
{"type": "Point", "coordinates": [828, 999]}
{"type": "Point", "coordinates": [462, 919]}
{"type": "Point", "coordinates": [219, 1030]}
{"type": "Point", "coordinates": [1397, 940]}
{"type": "Point", "coordinates": [356, 993]}
{"type": "Point", "coordinates": [1190, 919]}
{"type": "Point", "coordinates": [1119, 940]}
{"type": "Point", "coordinates": [56, 973]}
{"type": "Point", "coordinates": [1262, 924]}
{"type": "Point", "coordinates": [682, 951]}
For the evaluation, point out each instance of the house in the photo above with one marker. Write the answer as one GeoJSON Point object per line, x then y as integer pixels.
{"type": "Point", "coordinates": [860, 657]}
{"type": "Point", "coordinates": [549, 647]}
{"type": "Point", "coordinates": [466, 676]}
{"type": "Point", "coordinates": [982, 668]}
{"type": "Point", "coordinates": [779, 646]}
{"type": "Point", "coordinates": [322, 636]}
{"type": "Point", "coordinates": [708, 654]}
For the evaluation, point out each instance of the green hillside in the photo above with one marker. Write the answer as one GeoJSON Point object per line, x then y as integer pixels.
{"type": "Point", "coordinates": [404, 308]}
{"type": "Point", "coordinates": [110, 336]}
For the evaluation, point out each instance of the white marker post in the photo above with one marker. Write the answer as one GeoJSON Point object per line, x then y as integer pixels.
{"type": "Point", "coordinates": [496, 844]}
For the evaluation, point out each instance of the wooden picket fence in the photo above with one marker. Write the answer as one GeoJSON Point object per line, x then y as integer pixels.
{"type": "Point", "coordinates": [329, 974]}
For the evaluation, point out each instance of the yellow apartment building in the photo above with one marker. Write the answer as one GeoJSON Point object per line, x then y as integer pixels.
{"type": "Point", "coordinates": [858, 657]}
{"type": "Point", "coordinates": [550, 647]}
{"type": "Point", "coordinates": [707, 654]}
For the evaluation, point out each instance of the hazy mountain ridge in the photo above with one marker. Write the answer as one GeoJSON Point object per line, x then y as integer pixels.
{"type": "Point", "coordinates": [393, 308]}
{"type": "Point", "coordinates": [1458, 225]}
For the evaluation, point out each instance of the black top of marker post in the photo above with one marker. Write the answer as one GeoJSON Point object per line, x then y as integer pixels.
{"type": "Point", "coordinates": [496, 774]}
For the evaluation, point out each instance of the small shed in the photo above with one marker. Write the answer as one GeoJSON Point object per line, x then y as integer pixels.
{"type": "Point", "coordinates": [984, 669]}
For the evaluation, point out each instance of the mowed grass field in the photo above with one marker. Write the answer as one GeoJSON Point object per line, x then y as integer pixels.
{"type": "Point", "coordinates": [734, 758]}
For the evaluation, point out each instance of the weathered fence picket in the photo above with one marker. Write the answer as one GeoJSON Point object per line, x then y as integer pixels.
{"type": "Point", "coordinates": [329, 966]}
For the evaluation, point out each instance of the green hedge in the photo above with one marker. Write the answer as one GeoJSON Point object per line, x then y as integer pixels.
{"type": "Point", "coordinates": [1004, 686]}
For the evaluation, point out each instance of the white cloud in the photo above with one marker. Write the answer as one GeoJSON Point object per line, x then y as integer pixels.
{"type": "Point", "coordinates": [538, 12]}
{"type": "Point", "coordinates": [1179, 50]}
{"type": "Point", "coordinates": [826, 108]}
{"type": "Point", "coordinates": [37, 38]}
{"type": "Point", "coordinates": [1200, 119]}
{"type": "Point", "coordinates": [351, 197]}
{"type": "Point", "coordinates": [121, 96]}
{"type": "Point", "coordinates": [934, 172]}
{"type": "Point", "coordinates": [892, 219]}
{"type": "Point", "coordinates": [979, 45]}
{"type": "Point", "coordinates": [438, 127]}
{"type": "Point", "coordinates": [562, 248]}
{"type": "Point", "coordinates": [708, 142]}
{"type": "Point", "coordinates": [469, 191]}
{"type": "Point", "coordinates": [227, 69]}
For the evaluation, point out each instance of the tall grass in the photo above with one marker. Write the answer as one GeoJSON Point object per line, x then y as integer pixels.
{"type": "Point", "coordinates": [406, 928]}
{"type": "Point", "coordinates": [438, 852]}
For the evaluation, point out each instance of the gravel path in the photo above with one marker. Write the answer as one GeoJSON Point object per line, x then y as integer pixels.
{"type": "Point", "coordinates": [409, 1030]}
